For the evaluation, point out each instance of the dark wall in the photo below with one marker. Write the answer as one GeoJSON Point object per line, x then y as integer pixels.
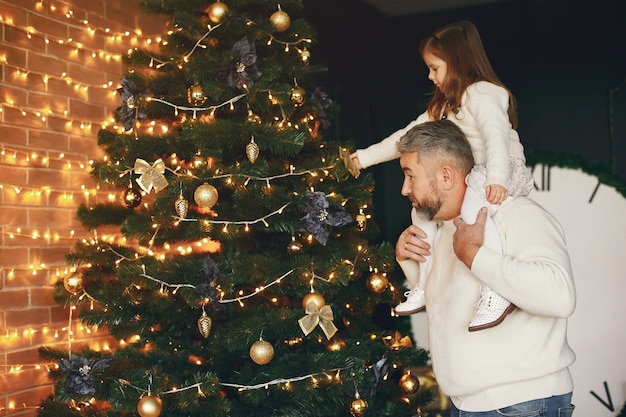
{"type": "Point", "coordinates": [559, 57]}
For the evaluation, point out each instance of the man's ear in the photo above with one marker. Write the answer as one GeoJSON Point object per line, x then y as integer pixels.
{"type": "Point", "coordinates": [447, 177]}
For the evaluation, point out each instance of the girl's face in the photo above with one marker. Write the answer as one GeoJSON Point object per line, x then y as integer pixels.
{"type": "Point", "coordinates": [436, 69]}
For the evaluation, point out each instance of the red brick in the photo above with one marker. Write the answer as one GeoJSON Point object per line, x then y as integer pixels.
{"type": "Point", "coordinates": [86, 112]}
{"type": "Point", "coordinates": [24, 277]}
{"type": "Point", "coordinates": [53, 141]}
{"type": "Point", "coordinates": [48, 256]}
{"type": "Point", "coordinates": [62, 88]}
{"type": "Point", "coordinates": [41, 297]}
{"type": "Point", "coordinates": [25, 318]}
{"type": "Point", "coordinates": [15, 57]}
{"type": "Point", "coordinates": [48, 178]}
{"type": "Point", "coordinates": [89, 40]}
{"type": "Point", "coordinates": [46, 64]}
{"type": "Point", "coordinates": [45, 102]}
{"type": "Point", "coordinates": [14, 116]}
{"type": "Point", "coordinates": [13, 135]}
{"type": "Point", "coordinates": [13, 257]}
{"type": "Point", "coordinates": [55, 218]}
{"type": "Point", "coordinates": [13, 216]}
{"type": "Point", "coordinates": [19, 38]}
{"type": "Point", "coordinates": [90, 6]}
{"type": "Point", "coordinates": [13, 96]}
{"type": "Point", "coordinates": [18, 14]}
{"type": "Point", "coordinates": [54, 28]}
{"type": "Point", "coordinates": [14, 299]}
{"type": "Point", "coordinates": [13, 175]}
{"type": "Point", "coordinates": [84, 75]}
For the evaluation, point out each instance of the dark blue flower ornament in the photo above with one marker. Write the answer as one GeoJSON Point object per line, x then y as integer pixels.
{"type": "Point", "coordinates": [208, 289]}
{"type": "Point", "coordinates": [79, 373]}
{"type": "Point", "coordinates": [320, 215]}
{"type": "Point", "coordinates": [129, 111]}
{"type": "Point", "coordinates": [244, 71]}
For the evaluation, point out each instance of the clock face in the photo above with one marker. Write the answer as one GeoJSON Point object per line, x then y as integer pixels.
{"type": "Point", "coordinates": [596, 239]}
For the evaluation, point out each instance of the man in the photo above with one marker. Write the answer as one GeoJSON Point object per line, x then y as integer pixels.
{"type": "Point", "coordinates": [519, 367]}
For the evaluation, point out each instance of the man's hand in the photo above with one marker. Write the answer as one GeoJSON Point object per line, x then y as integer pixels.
{"type": "Point", "coordinates": [469, 238]}
{"type": "Point", "coordinates": [411, 246]}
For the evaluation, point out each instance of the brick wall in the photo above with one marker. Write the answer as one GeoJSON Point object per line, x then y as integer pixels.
{"type": "Point", "coordinates": [56, 60]}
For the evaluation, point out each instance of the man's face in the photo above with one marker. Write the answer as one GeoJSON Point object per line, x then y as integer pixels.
{"type": "Point", "coordinates": [419, 187]}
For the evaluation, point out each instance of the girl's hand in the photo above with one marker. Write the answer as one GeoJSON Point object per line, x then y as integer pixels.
{"type": "Point", "coordinates": [355, 160]}
{"type": "Point", "coordinates": [496, 193]}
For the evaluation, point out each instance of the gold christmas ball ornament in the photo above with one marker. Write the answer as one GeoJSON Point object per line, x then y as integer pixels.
{"type": "Point", "coordinates": [252, 151]}
{"type": "Point", "coordinates": [131, 197]}
{"type": "Point", "coordinates": [335, 344]}
{"type": "Point", "coordinates": [253, 118]}
{"type": "Point", "coordinates": [294, 247]}
{"type": "Point", "coordinates": [204, 324]}
{"type": "Point", "coordinates": [377, 282]}
{"type": "Point", "coordinates": [74, 283]}
{"type": "Point", "coordinates": [316, 297]}
{"type": "Point", "coordinates": [280, 20]}
{"type": "Point", "coordinates": [149, 406]}
{"type": "Point", "coordinates": [261, 352]}
{"type": "Point", "coordinates": [358, 406]}
{"type": "Point", "coordinates": [217, 11]}
{"type": "Point", "coordinates": [409, 383]}
{"type": "Point", "coordinates": [196, 95]}
{"type": "Point", "coordinates": [298, 96]}
{"type": "Point", "coordinates": [205, 196]}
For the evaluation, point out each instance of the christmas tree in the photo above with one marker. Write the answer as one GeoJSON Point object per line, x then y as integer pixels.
{"type": "Point", "coordinates": [248, 278]}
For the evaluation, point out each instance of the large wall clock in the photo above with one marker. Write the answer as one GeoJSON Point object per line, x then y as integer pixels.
{"type": "Point", "coordinates": [594, 218]}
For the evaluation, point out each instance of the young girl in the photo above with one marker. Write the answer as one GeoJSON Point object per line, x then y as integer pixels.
{"type": "Point", "coordinates": [467, 92]}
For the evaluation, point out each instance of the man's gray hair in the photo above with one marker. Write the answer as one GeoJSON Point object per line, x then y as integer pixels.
{"type": "Point", "coordinates": [438, 140]}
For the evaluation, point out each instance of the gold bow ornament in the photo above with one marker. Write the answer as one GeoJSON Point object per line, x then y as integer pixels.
{"type": "Point", "coordinates": [344, 154]}
{"type": "Point", "coordinates": [151, 176]}
{"type": "Point", "coordinates": [396, 341]}
{"type": "Point", "coordinates": [314, 316]}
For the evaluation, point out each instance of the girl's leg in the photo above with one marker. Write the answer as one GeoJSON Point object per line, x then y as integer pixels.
{"type": "Point", "coordinates": [415, 301]}
{"type": "Point", "coordinates": [492, 308]}
{"type": "Point", "coordinates": [472, 203]}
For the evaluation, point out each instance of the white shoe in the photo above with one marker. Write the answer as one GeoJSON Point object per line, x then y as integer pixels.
{"type": "Point", "coordinates": [491, 309]}
{"type": "Point", "coordinates": [415, 302]}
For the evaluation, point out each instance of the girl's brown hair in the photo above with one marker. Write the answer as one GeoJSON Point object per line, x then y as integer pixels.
{"type": "Point", "coordinates": [460, 46]}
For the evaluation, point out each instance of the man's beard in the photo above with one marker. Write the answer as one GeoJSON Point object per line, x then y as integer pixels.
{"type": "Point", "coordinates": [429, 208]}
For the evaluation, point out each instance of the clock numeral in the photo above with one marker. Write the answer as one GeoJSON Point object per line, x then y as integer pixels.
{"type": "Point", "coordinates": [545, 178]}
{"type": "Point", "coordinates": [608, 404]}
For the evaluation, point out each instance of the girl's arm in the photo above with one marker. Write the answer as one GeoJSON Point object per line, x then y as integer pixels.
{"type": "Point", "coordinates": [386, 149]}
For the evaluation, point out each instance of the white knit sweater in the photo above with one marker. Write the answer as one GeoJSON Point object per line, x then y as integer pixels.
{"type": "Point", "coordinates": [527, 355]}
{"type": "Point", "coordinates": [483, 118]}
